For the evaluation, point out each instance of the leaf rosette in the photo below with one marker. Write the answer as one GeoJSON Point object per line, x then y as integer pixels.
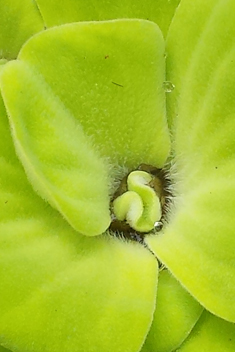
{"type": "Point", "coordinates": [87, 95]}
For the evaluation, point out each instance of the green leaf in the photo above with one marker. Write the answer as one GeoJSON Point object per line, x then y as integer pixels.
{"type": "Point", "coordinates": [19, 21]}
{"type": "Point", "coordinates": [198, 244]}
{"type": "Point", "coordinates": [210, 334]}
{"type": "Point", "coordinates": [57, 157]}
{"type": "Point", "coordinates": [175, 316]}
{"type": "Point", "coordinates": [76, 296]}
{"type": "Point", "coordinates": [110, 76]}
{"type": "Point", "coordinates": [56, 13]}
{"type": "Point", "coordinates": [2, 62]}
{"type": "Point", "coordinates": [66, 81]}
{"type": "Point", "coordinates": [2, 349]}
{"type": "Point", "coordinates": [61, 292]}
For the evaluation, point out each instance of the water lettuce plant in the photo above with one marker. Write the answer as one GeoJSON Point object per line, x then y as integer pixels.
{"type": "Point", "coordinates": [117, 176]}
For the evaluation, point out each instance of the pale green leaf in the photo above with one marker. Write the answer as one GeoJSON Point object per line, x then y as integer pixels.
{"type": "Point", "coordinates": [56, 13]}
{"type": "Point", "coordinates": [105, 79]}
{"type": "Point", "coordinates": [19, 21]}
{"type": "Point", "coordinates": [61, 292]}
{"type": "Point", "coordinates": [2, 349]}
{"type": "Point", "coordinates": [210, 334]}
{"type": "Point", "coordinates": [57, 157]}
{"type": "Point", "coordinates": [110, 76]}
{"type": "Point", "coordinates": [176, 314]}
{"type": "Point", "coordinates": [198, 243]}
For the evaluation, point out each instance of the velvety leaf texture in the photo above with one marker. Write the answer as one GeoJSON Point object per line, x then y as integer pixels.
{"type": "Point", "coordinates": [158, 11]}
{"type": "Point", "coordinates": [198, 244]}
{"type": "Point", "coordinates": [175, 316]}
{"type": "Point", "coordinates": [74, 180]}
{"type": "Point", "coordinates": [87, 98]}
{"type": "Point", "coordinates": [19, 21]}
{"type": "Point", "coordinates": [110, 76]}
{"type": "Point", "coordinates": [210, 334]}
{"type": "Point", "coordinates": [48, 104]}
{"type": "Point", "coordinates": [52, 279]}
{"type": "Point", "coordinates": [61, 291]}
{"type": "Point", "coordinates": [2, 349]}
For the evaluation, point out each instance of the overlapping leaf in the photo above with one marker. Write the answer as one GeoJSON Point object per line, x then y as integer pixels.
{"type": "Point", "coordinates": [210, 334]}
{"type": "Point", "coordinates": [95, 87]}
{"type": "Point", "coordinates": [175, 316]}
{"type": "Point", "coordinates": [44, 263]}
{"type": "Point", "coordinates": [2, 349]}
{"type": "Point", "coordinates": [52, 279]}
{"type": "Point", "coordinates": [19, 21]}
{"type": "Point", "coordinates": [110, 76]}
{"type": "Point", "coordinates": [56, 13]}
{"type": "Point", "coordinates": [59, 161]}
{"type": "Point", "coordinates": [61, 291]}
{"type": "Point", "coordinates": [198, 245]}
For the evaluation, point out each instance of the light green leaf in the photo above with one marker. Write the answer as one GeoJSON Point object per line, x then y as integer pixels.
{"type": "Point", "coordinates": [68, 77]}
{"type": "Point", "coordinates": [2, 62]}
{"type": "Point", "coordinates": [110, 76]}
{"type": "Point", "coordinates": [56, 13]}
{"type": "Point", "coordinates": [96, 296]}
{"type": "Point", "coordinates": [198, 244]}
{"type": "Point", "coordinates": [175, 316]}
{"type": "Point", "coordinates": [210, 334]}
{"type": "Point", "coordinates": [2, 349]}
{"type": "Point", "coordinates": [57, 158]}
{"type": "Point", "coordinates": [19, 21]}
{"type": "Point", "coordinates": [61, 292]}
